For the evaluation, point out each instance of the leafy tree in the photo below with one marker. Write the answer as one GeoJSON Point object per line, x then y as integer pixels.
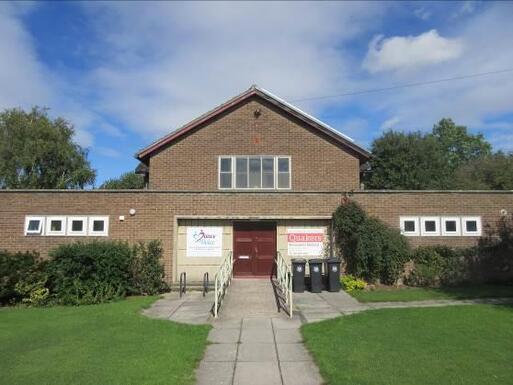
{"type": "Point", "coordinates": [458, 146]}
{"type": "Point", "coordinates": [409, 161]}
{"type": "Point", "coordinates": [494, 172]}
{"type": "Point", "coordinates": [423, 161]}
{"type": "Point", "coordinates": [128, 180]}
{"type": "Point", "coordinates": [38, 152]}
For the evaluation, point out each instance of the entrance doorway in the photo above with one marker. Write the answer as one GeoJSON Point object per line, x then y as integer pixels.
{"type": "Point", "coordinates": [254, 248]}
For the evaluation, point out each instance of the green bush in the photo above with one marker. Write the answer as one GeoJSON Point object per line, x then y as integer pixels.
{"type": "Point", "coordinates": [437, 265]}
{"type": "Point", "coordinates": [32, 287]}
{"type": "Point", "coordinates": [372, 250]}
{"type": "Point", "coordinates": [82, 273]}
{"type": "Point", "coordinates": [492, 260]}
{"type": "Point", "coordinates": [87, 273]}
{"type": "Point", "coordinates": [146, 269]}
{"type": "Point", "coordinates": [14, 266]}
{"type": "Point", "coordinates": [350, 283]}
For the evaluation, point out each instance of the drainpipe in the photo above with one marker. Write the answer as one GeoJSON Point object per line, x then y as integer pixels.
{"type": "Point", "coordinates": [332, 238]}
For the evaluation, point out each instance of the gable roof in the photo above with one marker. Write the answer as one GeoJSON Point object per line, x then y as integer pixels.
{"type": "Point", "coordinates": [340, 138]}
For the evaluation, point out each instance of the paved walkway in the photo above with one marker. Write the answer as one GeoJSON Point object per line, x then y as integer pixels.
{"type": "Point", "coordinates": [252, 343]}
{"type": "Point", "coordinates": [317, 307]}
{"type": "Point", "coordinates": [192, 308]}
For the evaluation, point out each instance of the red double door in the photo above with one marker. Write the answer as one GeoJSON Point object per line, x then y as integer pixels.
{"type": "Point", "coordinates": [254, 248]}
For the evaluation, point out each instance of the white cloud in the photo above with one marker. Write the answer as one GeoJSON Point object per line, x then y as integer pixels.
{"type": "Point", "coordinates": [390, 123]}
{"type": "Point", "coordinates": [466, 8]}
{"type": "Point", "coordinates": [422, 13]}
{"type": "Point", "coordinates": [22, 77]}
{"type": "Point", "coordinates": [108, 152]}
{"type": "Point", "coordinates": [472, 102]}
{"type": "Point", "coordinates": [25, 81]}
{"type": "Point", "coordinates": [407, 52]}
{"type": "Point", "coordinates": [172, 61]}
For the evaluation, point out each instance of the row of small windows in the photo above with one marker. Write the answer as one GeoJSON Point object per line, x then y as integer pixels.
{"type": "Point", "coordinates": [57, 225]}
{"type": "Point", "coordinates": [441, 226]}
{"type": "Point", "coordinates": [254, 172]}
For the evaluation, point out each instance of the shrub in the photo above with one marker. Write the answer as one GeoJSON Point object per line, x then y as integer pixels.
{"type": "Point", "coordinates": [437, 265]}
{"type": "Point", "coordinates": [32, 287]}
{"type": "Point", "coordinates": [350, 283]}
{"type": "Point", "coordinates": [371, 249]}
{"type": "Point", "coordinates": [493, 260]}
{"type": "Point", "coordinates": [87, 273]}
{"type": "Point", "coordinates": [147, 272]}
{"type": "Point", "coordinates": [14, 266]}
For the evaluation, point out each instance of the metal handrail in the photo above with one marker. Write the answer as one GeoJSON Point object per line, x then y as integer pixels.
{"type": "Point", "coordinates": [206, 283]}
{"type": "Point", "coordinates": [284, 278]}
{"type": "Point", "coordinates": [222, 280]}
{"type": "Point", "coordinates": [183, 283]}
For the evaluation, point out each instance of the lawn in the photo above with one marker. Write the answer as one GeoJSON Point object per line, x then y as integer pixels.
{"type": "Point", "coordinates": [422, 346]}
{"type": "Point", "coordinates": [420, 293]}
{"type": "Point", "coordinates": [97, 344]}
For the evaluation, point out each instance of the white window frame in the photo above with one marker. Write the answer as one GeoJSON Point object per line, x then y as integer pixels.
{"type": "Point", "coordinates": [49, 231]}
{"type": "Point", "coordinates": [219, 172]}
{"type": "Point", "coordinates": [446, 233]}
{"type": "Point", "coordinates": [425, 233]}
{"type": "Point", "coordinates": [41, 228]}
{"type": "Point", "coordinates": [93, 233]}
{"type": "Point", "coordinates": [277, 172]}
{"type": "Point", "coordinates": [464, 231]}
{"type": "Point", "coordinates": [248, 157]}
{"type": "Point", "coordinates": [415, 233]}
{"type": "Point", "coordinates": [70, 231]}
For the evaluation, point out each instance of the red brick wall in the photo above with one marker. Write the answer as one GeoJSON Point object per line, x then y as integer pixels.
{"type": "Point", "coordinates": [156, 211]}
{"type": "Point", "coordinates": [191, 163]}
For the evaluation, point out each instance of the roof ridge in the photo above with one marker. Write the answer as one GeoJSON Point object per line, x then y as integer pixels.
{"type": "Point", "coordinates": [269, 96]}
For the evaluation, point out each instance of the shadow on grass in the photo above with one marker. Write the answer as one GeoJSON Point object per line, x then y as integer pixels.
{"type": "Point", "coordinates": [476, 291]}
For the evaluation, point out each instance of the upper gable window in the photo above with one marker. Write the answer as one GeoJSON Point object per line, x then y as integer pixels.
{"type": "Point", "coordinates": [254, 172]}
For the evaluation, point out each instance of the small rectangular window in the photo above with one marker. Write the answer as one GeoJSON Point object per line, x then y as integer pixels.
{"type": "Point", "coordinates": [225, 172]}
{"type": "Point", "coordinates": [98, 226]}
{"type": "Point", "coordinates": [34, 225]}
{"type": "Point", "coordinates": [409, 226]}
{"type": "Point", "coordinates": [255, 173]}
{"type": "Point", "coordinates": [284, 173]}
{"type": "Point", "coordinates": [241, 172]}
{"type": "Point", "coordinates": [268, 172]}
{"type": "Point", "coordinates": [451, 226]}
{"type": "Point", "coordinates": [56, 225]}
{"type": "Point", "coordinates": [430, 226]}
{"type": "Point", "coordinates": [471, 226]}
{"type": "Point", "coordinates": [77, 226]}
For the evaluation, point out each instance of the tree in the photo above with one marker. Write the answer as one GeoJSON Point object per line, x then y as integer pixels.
{"type": "Point", "coordinates": [38, 152]}
{"type": "Point", "coordinates": [494, 172]}
{"type": "Point", "coordinates": [423, 161]}
{"type": "Point", "coordinates": [128, 180]}
{"type": "Point", "coordinates": [409, 161]}
{"type": "Point", "coordinates": [458, 145]}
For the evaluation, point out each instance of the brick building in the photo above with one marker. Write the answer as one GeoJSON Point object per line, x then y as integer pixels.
{"type": "Point", "coordinates": [254, 176]}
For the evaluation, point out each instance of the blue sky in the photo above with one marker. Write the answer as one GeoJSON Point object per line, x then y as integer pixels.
{"type": "Point", "coordinates": [127, 73]}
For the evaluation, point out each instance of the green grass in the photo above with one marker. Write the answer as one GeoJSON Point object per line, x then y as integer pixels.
{"type": "Point", "coordinates": [420, 293]}
{"type": "Point", "coordinates": [97, 344]}
{"type": "Point", "coordinates": [460, 345]}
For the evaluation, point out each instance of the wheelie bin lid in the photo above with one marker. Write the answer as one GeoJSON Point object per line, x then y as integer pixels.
{"type": "Point", "coordinates": [316, 260]}
{"type": "Point", "coordinates": [298, 260]}
{"type": "Point", "coordinates": [333, 260]}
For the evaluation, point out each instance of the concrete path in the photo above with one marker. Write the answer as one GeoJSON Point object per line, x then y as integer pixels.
{"type": "Point", "coordinates": [192, 308]}
{"type": "Point", "coordinates": [253, 344]}
{"type": "Point", "coordinates": [317, 307]}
